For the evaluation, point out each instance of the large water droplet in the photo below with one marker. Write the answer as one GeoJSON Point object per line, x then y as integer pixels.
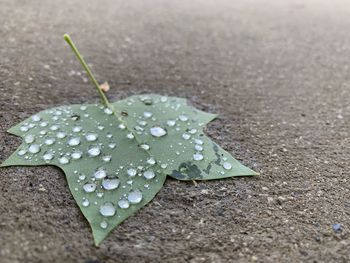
{"type": "Point", "coordinates": [24, 128]}
{"type": "Point", "coordinates": [104, 224]}
{"type": "Point", "coordinates": [49, 141]}
{"type": "Point", "coordinates": [36, 118]}
{"type": "Point", "coordinates": [158, 131]}
{"type": "Point", "coordinates": [135, 196]}
{"type": "Point", "coordinates": [151, 161]}
{"type": "Point", "coordinates": [107, 158]}
{"type": "Point", "coordinates": [100, 174]}
{"type": "Point", "coordinates": [147, 114]}
{"type": "Point", "coordinates": [107, 209]}
{"type": "Point", "coordinates": [197, 141]}
{"type": "Point", "coordinates": [54, 128]}
{"type": "Point", "coordinates": [227, 166]}
{"type": "Point", "coordinates": [130, 136]}
{"type": "Point", "coordinates": [122, 126]}
{"type": "Point", "coordinates": [61, 135]}
{"type": "Point", "coordinates": [63, 160]}
{"type": "Point", "coordinates": [198, 148]}
{"type": "Point", "coordinates": [123, 203]}
{"type": "Point", "coordinates": [94, 151]}
{"type": "Point", "coordinates": [91, 137]}
{"type": "Point", "coordinates": [171, 123]}
{"type": "Point", "coordinates": [110, 184]}
{"type": "Point", "coordinates": [44, 124]}
{"type": "Point", "coordinates": [85, 203]}
{"type": "Point", "coordinates": [74, 141]}
{"type": "Point", "coordinates": [22, 152]}
{"type": "Point", "coordinates": [112, 145]}
{"type": "Point", "coordinates": [34, 148]}
{"type": "Point", "coordinates": [145, 146]}
{"type": "Point", "coordinates": [48, 156]}
{"type": "Point", "coordinates": [183, 118]}
{"type": "Point", "coordinates": [29, 138]}
{"type": "Point", "coordinates": [132, 172]}
{"type": "Point", "coordinates": [108, 111]}
{"type": "Point", "coordinates": [149, 174]}
{"type": "Point", "coordinates": [198, 157]}
{"type": "Point", "coordinates": [192, 131]}
{"type": "Point", "coordinates": [77, 129]}
{"type": "Point", "coordinates": [76, 155]}
{"type": "Point", "coordinates": [89, 187]}
{"type": "Point", "coordinates": [186, 136]}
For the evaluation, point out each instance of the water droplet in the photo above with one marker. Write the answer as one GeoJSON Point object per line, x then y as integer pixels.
{"type": "Point", "coordinates": [132, 172]}
{"type": "Point", "coordinates": [186, 136]}
{"type": "Point", "coordinates": [77, 129]}
{"type": "Point", "coordinates": [99, 195]}
{"type": "Point", "coordinates": [54, 128]}
{"type": "Point", "coordinates": [135, 196]}
{"type": "Point", "coordinates": [100, 174]}
{"type": "Point", "coordinates": [94, 151]}
{"type": "Point", "coordinates": [112, 145]}
{"type": "Point", "coordinates": [91, 137]}
{"type": "Point", "coordinates": [158, 131]}
{"type": "Point", "coordinates": [85, 203]}
{"type": "Point", "coordinates": [198, 157]}
{"type": "Point", "coordinates": [151, 161]}
{"type": "Point", "coordinates": [108, 111]}
{"type": "Point", "coordinates": [164, 165]}
{"type": "Point", "coordinates": [149, 174]}
{"type": "Point", "coordinates": [29, 138]}
{"type": "Point", "coordinates": [123, 203]}
{"type": "Point", "coordinates": [83, 108]}
{"type": "Point", "coordinates": [110, 184]}
{"type": "Point", "coordinates": [107, 158]}
{"type": "Point", "coordinates": [104, 224]}
{"type": "Point", "coordinates": [24, 128]}
{"type": "Point", "coordinates": [63, 160]}
{"type": "Point", "coordinates": [76, 155]}
{"type": "Point", "coordinates": [145, 146]}
{"type": "Point", "coordinates": [43, 124]}
{"type": "Point", "coordinates": [171, 123]}
{"type": "Point", "coordinates": [163, 99]}
{"type": "Point", "coordinates": [36, 118]}
{"type": "Point", "coordinates": [49, 141]}
{"type": "Point", "coordinates": [61, 135]}
{"type": "Point", "coordinates": [130, 136]}
{"type": "Point", "coordinates": [109, 135]}
{"type": "Point", "coordinates": [227, 166]}
{"type": "Point", "coordinates": [74, 141]}
{"type": "Point", "coordinates": [192, 131]}
{"type": "Point", "coordinates": [143, 123]}
{"type": "Point", "coordinates": [147, 114]}
{"type": "Point", "coordinates": [34, 148]}
{"type": "Point", "coordinates": [183, 118]}
{"type": "Point", "coordinates": [48, 156]}
{"type": "Point", "coordinates": [122, 126]}
{"type": "Point", "coordinates": [89, 187]}
{"type": "Point", "coordinates": [198, 148]}
{"type": "Point", "coordinates": [100, 127]}
{"type": "Point", "coordinates": [197, 141]}
{"type": "Point", "coordinates": [107, 209]}
{"type": "Point", "coordinates": [82, 177]}
{"type": "Point", "coordinates": [22, 152]}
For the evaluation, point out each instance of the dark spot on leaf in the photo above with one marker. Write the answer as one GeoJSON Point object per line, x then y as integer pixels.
{"type": "Point", "coordinates": [124, 113]}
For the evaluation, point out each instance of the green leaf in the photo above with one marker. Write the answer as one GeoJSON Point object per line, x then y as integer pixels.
{"type": "Point", "coordinates": [114, 166]}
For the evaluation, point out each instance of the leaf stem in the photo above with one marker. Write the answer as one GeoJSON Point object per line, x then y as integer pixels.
{"type": "Point", "coordinates": [87, 69]}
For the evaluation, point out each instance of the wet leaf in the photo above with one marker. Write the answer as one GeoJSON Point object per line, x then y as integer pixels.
{"type": "Point", "coordinates": [116, 159]}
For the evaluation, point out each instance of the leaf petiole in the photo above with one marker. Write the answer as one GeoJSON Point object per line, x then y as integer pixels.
{"type": "Point", "coordinates": [87, 69]}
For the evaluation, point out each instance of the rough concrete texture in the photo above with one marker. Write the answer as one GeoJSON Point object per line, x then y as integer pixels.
{"type": "Point", "coordinates": [277, 72]}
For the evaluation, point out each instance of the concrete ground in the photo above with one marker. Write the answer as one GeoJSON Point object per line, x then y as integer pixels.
{"type": "Point", "coordinates": [278, 74]}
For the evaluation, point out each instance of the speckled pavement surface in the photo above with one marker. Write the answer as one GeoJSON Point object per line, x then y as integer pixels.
{"type": "Point", "coordinates": [278, 74]}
